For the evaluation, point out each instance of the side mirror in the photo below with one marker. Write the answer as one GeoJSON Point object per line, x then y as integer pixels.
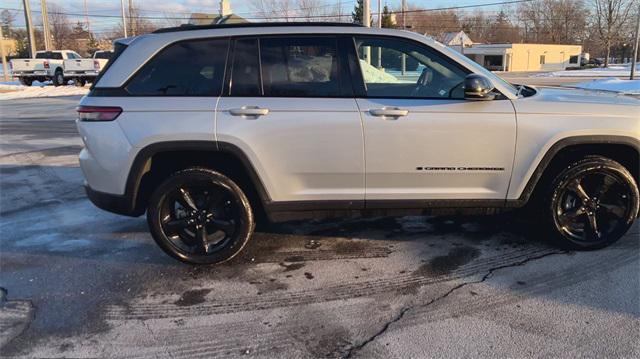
{"type": "Point", "coordinates": [478, 88]}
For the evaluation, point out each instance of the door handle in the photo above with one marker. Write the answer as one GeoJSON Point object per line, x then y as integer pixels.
{"type": "Point", "coordinates": [249, 111]}
{"type": "Point", "coordinates": [393, 112]}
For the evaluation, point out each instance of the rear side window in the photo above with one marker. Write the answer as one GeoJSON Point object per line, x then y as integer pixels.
{"type": "Point", "coordinates": [300, 67]}
{"type": "Point", "coordinates": [103, 55]}
{"type": "Point", "coordinates": [49, 55]}
{"type": "Point", "coordinates": [186, 68]}
{"type": "Point", "coordinates": [245, 77]}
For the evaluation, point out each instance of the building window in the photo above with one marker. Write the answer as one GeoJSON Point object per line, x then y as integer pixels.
{"type": "Point", "coordinates": [542, 59]}
{"type": "Point", "coordinates": [573, 59]}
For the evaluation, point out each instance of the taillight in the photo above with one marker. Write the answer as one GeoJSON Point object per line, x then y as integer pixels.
{"type": "Point", "coordinates": [98, 113]}
{"type": "Point", "coordinates": [46, 64]}
{"type": "Point", "coordinates": [96, 65]}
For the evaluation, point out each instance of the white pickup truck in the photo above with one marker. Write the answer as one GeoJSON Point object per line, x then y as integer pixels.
{"type": "Point", "coordinates": [47, 65]}
{"type": "Point", "coordinates": [86, 70]}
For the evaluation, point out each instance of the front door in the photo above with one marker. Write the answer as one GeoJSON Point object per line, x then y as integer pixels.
{"type": "Point", "coordinates": [423, 141]}
{"type": "Point", "coordinates": [290, 108]}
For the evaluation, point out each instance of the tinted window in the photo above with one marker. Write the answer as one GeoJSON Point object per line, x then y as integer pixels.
{"type": "Point", "coordinates": [245, 77]}
{"type": "Point", "coordinates": [394, 68]}
{"type": "Point", "coordinates": [103, 55]}
{"type": "Point", "coordinates": [49, 55]}
{"type": "Point", "coordinates": [300, 66]}
{"type": "Point", "coordinates": [187, 68]}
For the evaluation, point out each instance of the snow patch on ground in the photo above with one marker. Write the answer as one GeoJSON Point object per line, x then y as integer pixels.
{"type": "Point", "coordinates": [612, 84]}
{"type": "Point", "coordinates": [611, 71]}
{"type": "Point", "coordinates": [11, 90]}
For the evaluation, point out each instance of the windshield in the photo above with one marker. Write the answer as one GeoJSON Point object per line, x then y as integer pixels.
{"type": "Point", "coordinates": [477, 68]}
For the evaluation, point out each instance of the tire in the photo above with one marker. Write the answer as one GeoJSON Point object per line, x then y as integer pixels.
{"type": "Point", "coordinates": [591, 204]}
{"type": "Point", "coordinates": [58, 78]}
{"type": "Point", "coordinates": [79, 82]}
{"type": "Point", "coordinates": [26, 81]}
{"type": "Point", "coordinates": [198, 203]}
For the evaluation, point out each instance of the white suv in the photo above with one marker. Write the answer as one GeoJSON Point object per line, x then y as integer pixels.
{"type": "Point", "coordinates": [207, 128]}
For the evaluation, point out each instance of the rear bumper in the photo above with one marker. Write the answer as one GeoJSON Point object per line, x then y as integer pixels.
{"type": "Point", "coordinates": [31, 74]}
{"type": "Point", "coordinates": [112, 202]}
{"type": "Point", "coordinates": [80, 73]}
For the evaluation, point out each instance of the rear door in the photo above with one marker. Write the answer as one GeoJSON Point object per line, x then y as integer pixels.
{"type": "Point", "coordinates": [289, 108]}
{"type": "Point", "coordinates": [423, 141]}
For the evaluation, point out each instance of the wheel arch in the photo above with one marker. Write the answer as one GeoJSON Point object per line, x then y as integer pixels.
{"type": "Point", "coordinates": [623, 149]}
{"type": "Point", "coordinates": [155, 162]}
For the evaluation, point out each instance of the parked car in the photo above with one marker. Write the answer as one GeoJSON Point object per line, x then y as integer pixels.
{"type": "Point", "coordinates": [210, 128]}
{"type": "Point", "coordinates": [47, 65]}
{"type": "Point", "coordinates": [84, 71]}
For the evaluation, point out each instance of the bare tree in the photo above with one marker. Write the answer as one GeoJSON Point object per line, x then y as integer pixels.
{"type": "Point", "coordinates": [295, 10]}
{"type": "Point", "coordinates": [433, 23]}
{"type": "Point", "coordinates": [61, 27]}
{"type": "Point", "coordinates": [610, 18]}
{"type": "Point", "coordinates": [554, 21]}
{"type": "Point", "coordinates": [273, 9]}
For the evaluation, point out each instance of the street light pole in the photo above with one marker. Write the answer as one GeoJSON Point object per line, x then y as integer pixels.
{"type": "Point", "coordinates": [124, 19]}
{"type": "Point", "coordinates": [635, 47]}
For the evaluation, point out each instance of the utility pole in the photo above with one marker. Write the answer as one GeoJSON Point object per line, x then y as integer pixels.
{"type": "Point", "coordinates": [635, 47]}
{"type": "Point", "coordinates": [46, 32]}
{"type": "Point", "coordinates": [379, 15]}
{"type": "Point", "coordinates": [86, 17]}
{"type": "Point", "coordinates": [124, 19]}
{"type": "Point", "coordinates": [366, 13]}
{"type": "Point", "coordinates": [404, 27]}
{"type": "Point", "coordinates": [5, 70]}
{"type": "Point", "coordinates": [27, 18]}
{"type": "Point", "coordinates": [132, 25]}
{"type": "Point", "coordinates": [366, 21]}
{"type": "Point", "coordinates": [404, 16]}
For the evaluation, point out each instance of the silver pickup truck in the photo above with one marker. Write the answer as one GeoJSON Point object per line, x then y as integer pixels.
{"type": "Point", "coordinates": [86, 70]}
{"type": "Point", "coordinates": [47, 65]}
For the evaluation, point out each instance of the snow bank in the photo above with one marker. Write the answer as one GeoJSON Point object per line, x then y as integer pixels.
{"type": "Point", "coordinates": [611, 71]}
{"type": "Point", "coordinates": [612, 84]}
{"type": "Point", "coordinates": [38, 89]}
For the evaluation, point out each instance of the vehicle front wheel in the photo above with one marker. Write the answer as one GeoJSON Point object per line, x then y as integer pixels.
{"type": "Point", "coordinates": [592, 203]}
{"type": "Point", "coordinates": [26, 81]}
{"type": "Point", "coordinates": [200, 216]}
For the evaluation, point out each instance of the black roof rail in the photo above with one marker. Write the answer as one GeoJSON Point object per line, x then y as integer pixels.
{"type": "Point", "coordinates": [189, 27]}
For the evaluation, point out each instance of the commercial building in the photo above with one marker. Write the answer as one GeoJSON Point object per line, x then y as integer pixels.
{"type": "Point", "coordinates": [524, 57]}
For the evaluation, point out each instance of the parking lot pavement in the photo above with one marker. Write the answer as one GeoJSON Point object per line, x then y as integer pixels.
{"type": "Point", "coordinates": [79, 282]}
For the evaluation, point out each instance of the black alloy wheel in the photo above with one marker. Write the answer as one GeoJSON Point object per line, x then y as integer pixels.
{"type": "Point", "coordinates": [594, 203]}
{"type": "Point", "coordinates": [200, 216]}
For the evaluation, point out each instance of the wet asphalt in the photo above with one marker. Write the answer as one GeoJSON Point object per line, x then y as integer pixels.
{"type": "Point", "coordinates": [80, 282]}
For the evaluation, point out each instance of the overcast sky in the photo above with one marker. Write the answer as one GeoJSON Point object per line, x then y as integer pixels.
{"type": "Point", "coordinates": [181, 8]}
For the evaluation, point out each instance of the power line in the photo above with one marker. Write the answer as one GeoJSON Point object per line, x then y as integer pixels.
{"type": "Point", "coordinates": [289, 16]}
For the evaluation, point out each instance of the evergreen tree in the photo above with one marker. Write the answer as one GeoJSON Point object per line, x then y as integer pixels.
{"type": "Point", "coordinates": [387, 20]}
{"type": "Point", "coordinates": [357, 12]}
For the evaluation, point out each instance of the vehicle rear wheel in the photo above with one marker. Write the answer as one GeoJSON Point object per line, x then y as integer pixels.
{"type": "Point", "coordinates": [200, 216]}
{"type": "Point", "coordinates": [58, 78]}
{"type": "Point", "coordinates": [592, 203]}
{"type": "Point", "coordinates": [26, 81]}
